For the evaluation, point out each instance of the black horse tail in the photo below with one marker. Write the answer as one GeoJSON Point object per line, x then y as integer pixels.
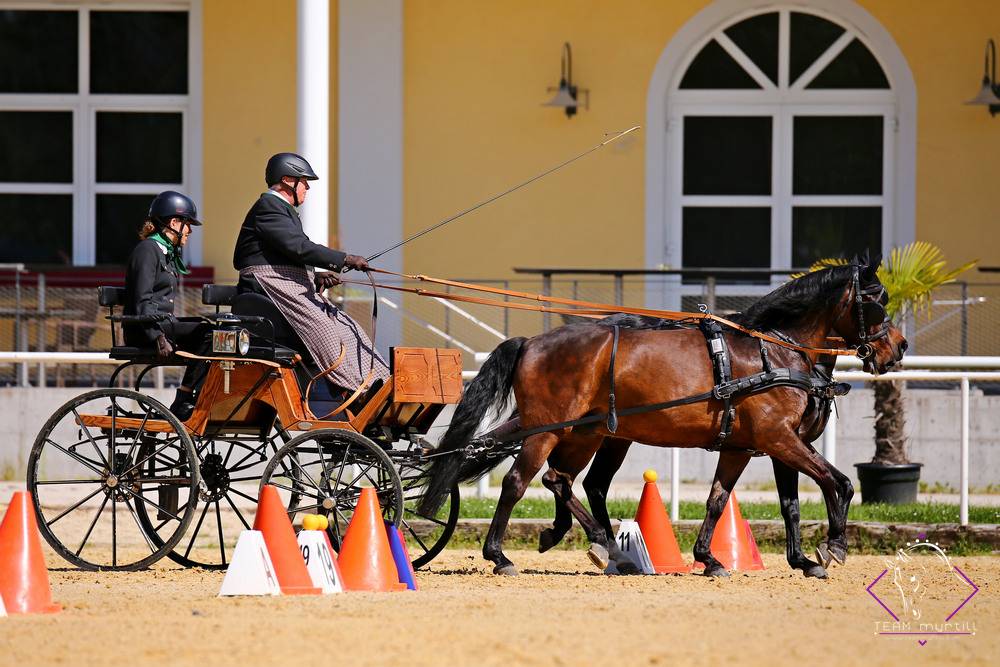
{"type": "Point", "coordinates": [490, 389]}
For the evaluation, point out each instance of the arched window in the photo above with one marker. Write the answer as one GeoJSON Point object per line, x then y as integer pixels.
{"type": "Point", "coordinates": [779, 146]}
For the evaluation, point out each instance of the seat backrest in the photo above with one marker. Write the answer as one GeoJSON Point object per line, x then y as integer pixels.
{"type": "Point", "coordinates": [218, 295]}
{"type": "Point", "coordinates": [110, 296]}
{"type": "Point", "coordinates": [259, 305]}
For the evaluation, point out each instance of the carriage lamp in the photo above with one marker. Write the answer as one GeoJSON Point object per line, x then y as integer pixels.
{"type": "Point", "coordinates": [566, 94]}
{"type": "Point", "coordinates": [230, 337]}
{"type": "Point", "coordinates": [989, 92]}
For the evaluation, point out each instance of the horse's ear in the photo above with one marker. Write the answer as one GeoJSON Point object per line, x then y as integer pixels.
{"type": "Point", "coordinates": [869, 269]}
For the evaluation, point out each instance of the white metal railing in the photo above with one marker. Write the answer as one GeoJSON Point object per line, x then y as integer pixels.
{"type": "Point", "coordinates": [923, 368]}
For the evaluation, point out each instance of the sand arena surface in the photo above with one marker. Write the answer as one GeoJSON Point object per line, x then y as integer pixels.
{"type": "Point", "coordinates": [558, 612]}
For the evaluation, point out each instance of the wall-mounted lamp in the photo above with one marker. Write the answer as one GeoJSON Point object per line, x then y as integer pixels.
{"type": "Point", "coordinates": [567, 95]}
{"type": "Point", "coordinates": [989, 93]}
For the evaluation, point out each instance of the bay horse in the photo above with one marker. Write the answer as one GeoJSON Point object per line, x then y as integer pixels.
{"type": "Point", "coordinates": [562, 375]}
{"type": "Point", "coordinates": [612, 452]}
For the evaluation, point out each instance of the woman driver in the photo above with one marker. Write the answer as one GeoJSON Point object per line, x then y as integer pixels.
{"type": "Point", "coordinates": [150, 284]}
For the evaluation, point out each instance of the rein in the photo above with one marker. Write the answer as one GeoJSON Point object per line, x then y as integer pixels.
{"type": "Point", "coordinates": [580, 308]}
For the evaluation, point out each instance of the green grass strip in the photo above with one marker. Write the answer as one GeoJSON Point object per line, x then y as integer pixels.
{"type": "Point", "coordinates": [931, 512]}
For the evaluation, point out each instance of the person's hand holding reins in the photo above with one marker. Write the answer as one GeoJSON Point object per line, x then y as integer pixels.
{"type": "Point", "coordinates": [356, 262]}
{"type": "Point", "coordinates": [325, 280]}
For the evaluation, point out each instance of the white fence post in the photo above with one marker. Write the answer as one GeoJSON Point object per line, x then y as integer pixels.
{"type": "Point", "coordinates": [830, 437]}
{"type": "Point", "coordinates": [675, 483]}
{"type": "Point", "coordinates": [963, 507]}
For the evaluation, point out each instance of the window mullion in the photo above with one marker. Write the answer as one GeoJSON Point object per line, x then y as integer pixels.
{"type": "Point", "coordinates": [781, 211]}
{"type": "Point", "coordinates": [83, 223]}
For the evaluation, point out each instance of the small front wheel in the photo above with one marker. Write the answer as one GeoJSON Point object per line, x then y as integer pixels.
{"type": "Point", "coordinates": [323, 472]}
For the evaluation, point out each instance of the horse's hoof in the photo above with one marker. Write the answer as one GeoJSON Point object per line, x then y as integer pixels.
{"type": "Point", "coordinates": [627, 567]}
{"type": "Point", "coordinates": [839, 553]}
{"type": "Point", "coordinates": [506, 570]}
{"type": "Point", "coordinates": [817, 571]}
{"type": "Point", "coordinates": [546, 540]}
{"type": "Point", "coordinates": [599, 556]}
{"type": "Point", "coordinates": [823, 555]}
{"type": "Point", "coordinates": [716, 571]}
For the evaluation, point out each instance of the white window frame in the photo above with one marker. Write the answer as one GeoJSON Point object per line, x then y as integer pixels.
{"type": "Point", "coordinates": [85, 106]}
{"type": "Point", "coordinates": [667, 105]}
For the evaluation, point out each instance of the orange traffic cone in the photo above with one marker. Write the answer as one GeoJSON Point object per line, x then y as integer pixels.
{"type": "Point", "coordinates": [656, 529]}
{"type": "Point", "coordinates": [282, 547]}
{"type": "Point", "coordinates": [732, 542]}
{"type": "Point", "coordinates": [365, 558]}
{"type": "Point", "coordinates": [24, 581]}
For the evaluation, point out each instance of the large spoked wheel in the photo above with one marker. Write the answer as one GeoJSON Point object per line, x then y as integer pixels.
{"type": "Point", "coordinates": [323, 472]}
{"type": "Point", "coordinates": [427, 535]}
{"type": "Point", "coordinates": [101, 460]}
{"type": "Point", "coordinates": [231, 469]}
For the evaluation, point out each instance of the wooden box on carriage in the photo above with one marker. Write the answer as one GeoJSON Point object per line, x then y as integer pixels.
{"type": "Point", "coordinates": [426, 375]}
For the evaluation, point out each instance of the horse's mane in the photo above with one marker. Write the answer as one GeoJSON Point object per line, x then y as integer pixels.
{"type": "Point", "coordinates": [797, 299]}
{"type": "Point", "coordinates": [789, 304]}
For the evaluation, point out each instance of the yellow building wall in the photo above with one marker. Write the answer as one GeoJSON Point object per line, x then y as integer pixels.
{"type": "Point", "coordinates": [248, 113]}
{"type": "Point", "coordinates": [476, 74]}
{"type": "Point", "coordinates": [958, 169]}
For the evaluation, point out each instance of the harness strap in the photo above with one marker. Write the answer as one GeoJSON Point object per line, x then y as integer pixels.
{"type": "Point", "coordinates": [581, 308]}
{"type": "Point", "coordinates": [718, 352]}
{"type": "Point", "coordinates": [612, 414]}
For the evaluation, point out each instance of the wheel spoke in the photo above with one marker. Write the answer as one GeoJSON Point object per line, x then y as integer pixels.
{"type": "Point", "coordinates": [243, 495]}
{"type": "Point", "coordinates": [426, 518]}
{"type": "Point", "coordinates": [79, 420]}
{"type": "Point", "coordinates": [135, 441]}
{"type": "Point", "coordinates": [69, 481]}
{"type": "Point", "coordinates": [150, 503]}
{"type": "Point", "coordinates": [416, 537]}
{"type": "Point", "coordinates": [114, 530]}
{"type": "Point", "coordinates": [197, 529]}
{"type": "Point", "coordinates": [156, 452]}
{"type": "Point", "coordinates": [73, 455]}
{"type": "Point", "coordinates": [83, 543]}
{"type": "Point", "coordinates": [222, 542]}
{"type": "Point", "coordinates": [238, 512]}
{"type": "Point", "coordinates": [73, 507]}
{"type": "Point", "coordinates": [135, 518]}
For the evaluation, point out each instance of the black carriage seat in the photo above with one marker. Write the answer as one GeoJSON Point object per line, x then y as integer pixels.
{"type": "Point", "coordinates": [111, 298]}
{"type": "Point", "coordinates": [322, 399]}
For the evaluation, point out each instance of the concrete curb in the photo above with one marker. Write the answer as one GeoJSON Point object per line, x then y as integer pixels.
{"type": "Point", "coordinates": [867, 535]}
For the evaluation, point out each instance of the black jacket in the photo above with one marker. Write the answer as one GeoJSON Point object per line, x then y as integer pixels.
{"type": "Point", "coordinates": [272, 235]}
{"type": "Point", "coordinates": [150, 284]}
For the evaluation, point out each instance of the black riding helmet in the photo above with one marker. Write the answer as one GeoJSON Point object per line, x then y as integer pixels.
{"type": "Point", "coordinates": [288, 164]}
{"type": "Point", "coordinates": [170, 204]}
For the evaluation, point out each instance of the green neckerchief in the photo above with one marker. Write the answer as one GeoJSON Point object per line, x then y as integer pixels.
{"type": "Point", "coordinates": [173, 254]}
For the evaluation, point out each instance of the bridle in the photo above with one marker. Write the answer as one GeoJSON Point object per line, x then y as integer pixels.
{"type": "Point", "coordinates": [869, 306]}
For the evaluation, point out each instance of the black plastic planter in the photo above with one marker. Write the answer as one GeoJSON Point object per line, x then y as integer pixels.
{"type": "Point", "coordinates": [889, 483]}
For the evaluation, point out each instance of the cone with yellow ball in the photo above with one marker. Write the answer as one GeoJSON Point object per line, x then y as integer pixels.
{"type": "Point", "coordinates": [657, 531]}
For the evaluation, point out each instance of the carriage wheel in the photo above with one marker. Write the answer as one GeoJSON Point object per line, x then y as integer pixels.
{"type": "Point", "coordinates": [323, 472]}
{"type": "Point", "coordinates": [231, 469]}
{"type": "Point", "coordinates": [428, 535]}
{"type": "Point", "coordinates": [89, 483]}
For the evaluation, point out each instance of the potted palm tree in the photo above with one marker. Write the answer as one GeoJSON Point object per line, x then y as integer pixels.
{"type": "Point", "coordinates": [910, 275]}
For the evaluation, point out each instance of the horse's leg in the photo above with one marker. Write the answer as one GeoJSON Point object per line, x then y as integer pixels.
{"type": "Point", "coordinates": [729, 469]}
{"type": "Point", "coordinates": [606, 463]}
{"type": "Point", "coordinates": [787, 481]}
{"type": "Point", "coordinates": [804, 458]}
{"type": "Point", "coordinates": [529, 461]}
{"type": "Point", "coordinates": [836, 548]}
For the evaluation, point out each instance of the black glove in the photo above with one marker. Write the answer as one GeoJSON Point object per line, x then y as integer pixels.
{"type": "Point", "coordinates": [326, 280]}
{"type": "Point", "coordinates": [163, 346]}
{"type": "Point", "coordinates": [356, 262]}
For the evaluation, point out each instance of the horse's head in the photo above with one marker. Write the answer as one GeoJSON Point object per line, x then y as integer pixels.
{"type": "Point", "coordinates": [864, 323]}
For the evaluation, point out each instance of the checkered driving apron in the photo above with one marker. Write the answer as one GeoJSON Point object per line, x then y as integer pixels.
{"type": "Point", "coordinates": [320, 324]}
